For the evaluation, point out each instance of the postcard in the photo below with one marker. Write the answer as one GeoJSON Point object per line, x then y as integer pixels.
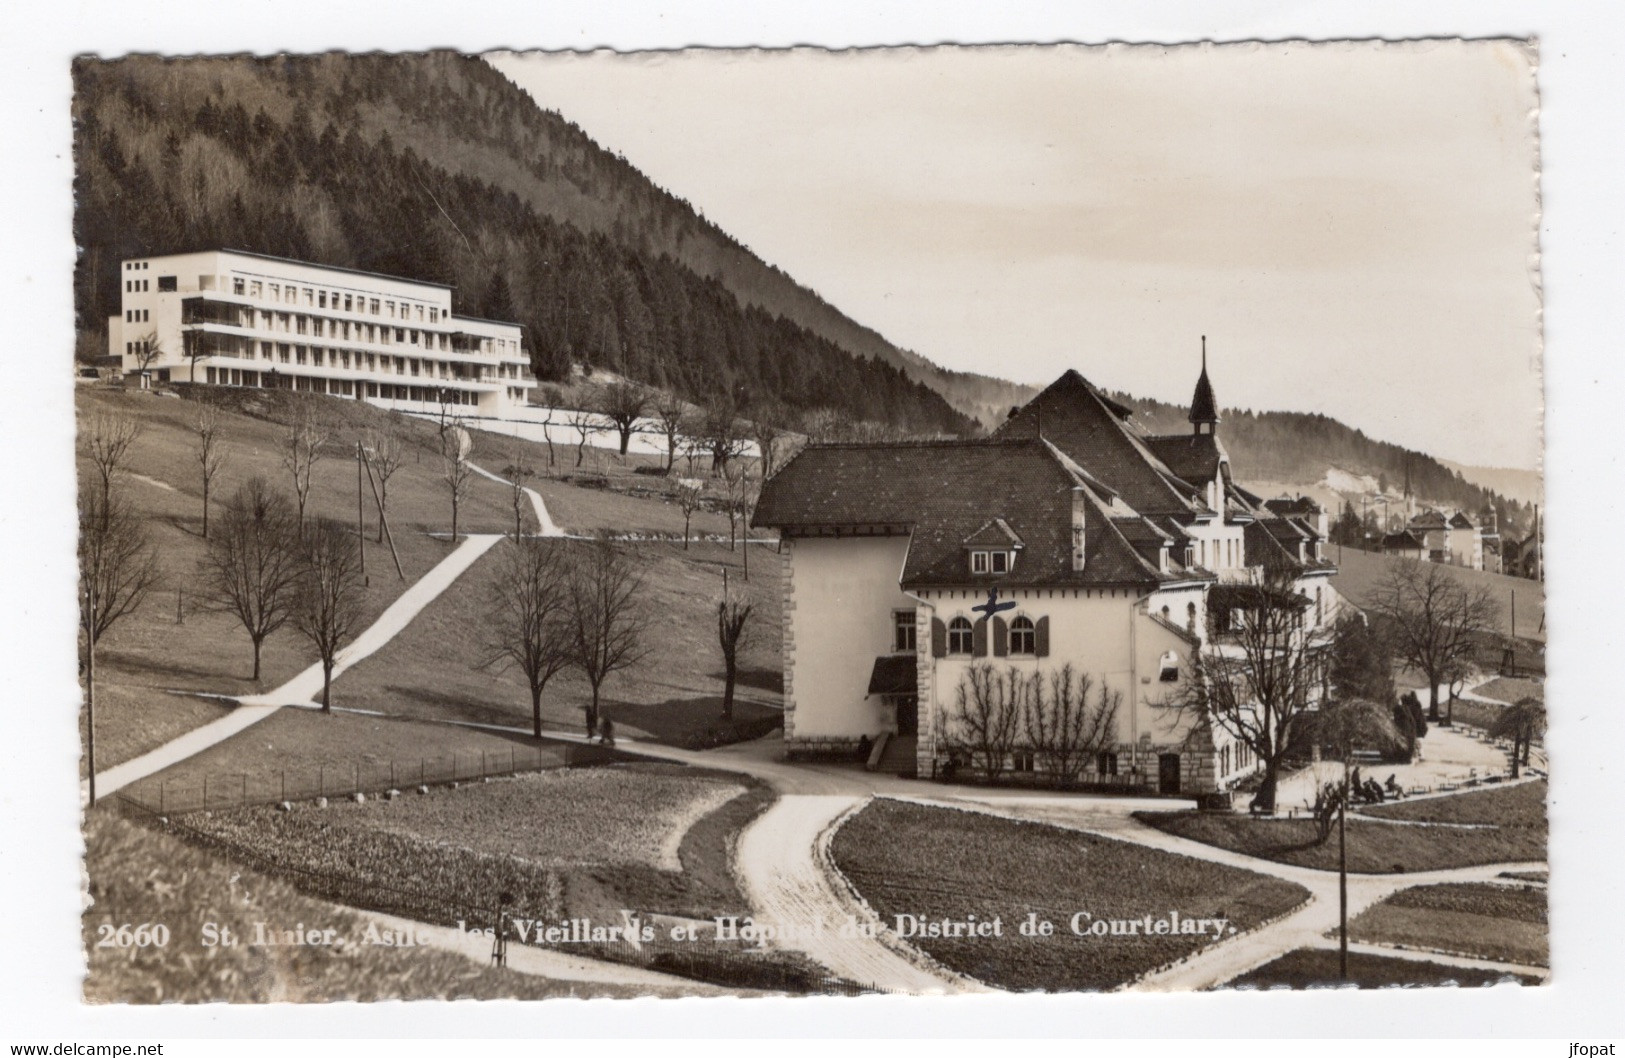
{"type": "Point", "coordinates": [916, 521]}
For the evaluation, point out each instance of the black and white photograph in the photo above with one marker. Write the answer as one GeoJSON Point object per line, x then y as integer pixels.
{"type": "Point", "coordinates": [905, 521]}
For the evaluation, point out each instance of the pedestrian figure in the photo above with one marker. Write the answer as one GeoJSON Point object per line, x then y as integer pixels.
{"type": "Point", "coordinates": [586, 714]}
{"type": "Point", "coordinates": [606, 731]}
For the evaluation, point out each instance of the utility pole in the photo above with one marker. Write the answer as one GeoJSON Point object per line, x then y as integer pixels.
{"type": "Point", "coordinates": [1343, 876]}
{"type": "Point", "coordinates": [360, 517]}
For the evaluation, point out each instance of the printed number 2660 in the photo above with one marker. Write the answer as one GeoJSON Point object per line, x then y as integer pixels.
{"type": "Point", "coordinates": [146, 935]}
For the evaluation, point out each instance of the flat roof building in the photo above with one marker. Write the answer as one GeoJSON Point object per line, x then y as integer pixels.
{"type": "Point", "coordinates": [233, 318]}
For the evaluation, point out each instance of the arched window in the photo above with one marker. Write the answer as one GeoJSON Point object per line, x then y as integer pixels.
{"type": "Point", "coordinates": [1022, 639]}
{"type": "Point", "coordinates": [960, 636]}
{"type": "Point", "coordinates": [1190, 617]}
{"type": "Point", "coordinates": [1165, 613]}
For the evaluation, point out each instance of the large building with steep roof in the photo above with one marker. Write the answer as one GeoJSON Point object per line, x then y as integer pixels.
{"type": "Point", "coordinates": [1109, 546]}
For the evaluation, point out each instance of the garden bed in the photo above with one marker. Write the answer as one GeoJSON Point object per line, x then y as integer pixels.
{"type": "Point", "coordinates": [1509, 826]}
{"type": "Point", "coordinates": [138, 877]}
{"type": "Point", "coordinates": [653, 840]}
{"type": "Point", "coordinates": [941, 863]}
{"type": "Point", "coordinates": [1318, 968]}
{"type": "Point", "coordinates": [1503, 923]}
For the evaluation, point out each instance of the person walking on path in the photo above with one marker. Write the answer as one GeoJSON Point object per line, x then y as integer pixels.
{"type": "Point", "coordinates": [606, 731]}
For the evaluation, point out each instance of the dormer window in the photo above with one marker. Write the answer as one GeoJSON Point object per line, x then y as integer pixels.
{"type": "Point", "coordinates": [992, 561]}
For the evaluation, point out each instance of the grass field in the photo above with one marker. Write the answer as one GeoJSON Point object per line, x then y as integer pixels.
{"type": "Point", "coordinates": [1511, 827]}
{"type": "Point", "coordinates": [1522, 805]}
{"type": "Point", "coordinates": [1317, 968]}
{"type": "Point", "coordinates": [433, 669]}
{"type": "Point", "coordinates": [1511, 691]}
{"type": "Point", "coordinates": [954, 864]}
{"type": "Point", "coordinates": [138, 876]}
{"type": "Point", "coordinates": [1505, 923]}
{"type": "Point", "coordinates": [304, 744]}
{"type": "Point", "coordinates": [172, 643]}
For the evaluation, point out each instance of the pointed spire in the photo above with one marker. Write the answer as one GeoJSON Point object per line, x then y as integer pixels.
{"type": "Point", "coordinates": [1204, 408]}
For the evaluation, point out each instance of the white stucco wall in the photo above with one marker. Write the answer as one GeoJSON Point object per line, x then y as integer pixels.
{"type": "Point", "coordinates": [838, 620]}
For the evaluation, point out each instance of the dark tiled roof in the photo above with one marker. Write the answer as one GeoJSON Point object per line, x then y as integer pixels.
{"type": "Point", "coordinates": [1194, 457]}
{"type": "Point", "coordinates": [1285, 506]}
{"type": "Point", "coordinates": [1203, 407]}
{"type": "Point", "coordinates": [1405, 541]}
{"type": "Point", "coordinates": [1429, 520]}
{"type": "Point", "coordinates": [995, 532]}
{"type": "Point", "coordinates": [1461, 521]}
{"type": "Point", "coordinates": [1086, 425]}
{"type": "Point", "coordinates": [944, 492]}
{"type": "Point", "coordinates": [894, 674]}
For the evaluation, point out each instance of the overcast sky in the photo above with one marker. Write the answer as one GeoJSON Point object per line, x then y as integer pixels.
{"type": "Point", "coordinates": [1352, 226]}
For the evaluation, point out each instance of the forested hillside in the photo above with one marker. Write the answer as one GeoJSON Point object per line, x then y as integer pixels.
{"type": "Point", "coordinates": [1297, 447]}
{"type": "Point", "coordinates": [436, 167]}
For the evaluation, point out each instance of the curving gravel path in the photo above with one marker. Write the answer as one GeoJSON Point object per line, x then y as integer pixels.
{"type": "Point", "coordinates": [783, 866]}
{"type": "Point", "coordinates": [300, 690]}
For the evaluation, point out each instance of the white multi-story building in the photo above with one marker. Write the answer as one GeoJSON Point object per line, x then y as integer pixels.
{"type": "Point", "coordinates": [232, 318]}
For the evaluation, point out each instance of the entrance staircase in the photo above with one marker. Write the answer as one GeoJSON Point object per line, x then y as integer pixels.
{"type": "Point", "coordinates": [894, 755]}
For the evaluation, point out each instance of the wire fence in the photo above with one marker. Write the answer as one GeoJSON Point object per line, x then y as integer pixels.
{"type": "Point", "coordinates": [171, 796]}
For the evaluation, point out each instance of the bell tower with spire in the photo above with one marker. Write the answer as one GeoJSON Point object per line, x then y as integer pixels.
{"type": "Point", "coordinates": [1204, 416]}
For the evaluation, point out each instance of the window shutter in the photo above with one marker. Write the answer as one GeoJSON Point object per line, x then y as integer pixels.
{"type": "Point", "coordinates": [1001, 638]}
{"type": "Point", "coordinates": [939, 638]}
{"type": "Point", "coordinates": [978, 639]}
{"type": "Point", "coordinates": [1041, 637]}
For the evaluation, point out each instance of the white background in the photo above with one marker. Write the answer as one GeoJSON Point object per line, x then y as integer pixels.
{"type": "Point", "coordinates": [1580, 82]}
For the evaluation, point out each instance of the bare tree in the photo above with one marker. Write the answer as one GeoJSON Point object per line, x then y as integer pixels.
{"type": "Point", "coordinates": [108, 439]}
{"type": "Point", "coordinates": [688, 498]}
{"type": "Point", "coordinates": [253, 564]}
{"type": "Point", "coordinates": [118, 564]}
{"type": "Point", "coordinates": [383, 451]}
{"type": "Point", "coordinates": [302, 448]}
{"type": "Point", "coordinates": [530, 626]}
{"type": "Point", "coordinates": [329, 603]}
{"type": "Point", "coordinates": [547, 438]}
{"type": "Point", "coordinates": [117, 567]}
{"type": "Point", "coordinates": [194, 349]}
{"type": "Point", "coordinates": [824, 425]}
{"type": "Point", "coordinates": [623, 402]}
{"type": "Point", "coordinates": [985, 720]}
{"type": "Point", "coordinates": [517, 473]}
{"type": "Point", "coordinates": [1433, 619]}
{"type": "Point", "coordinates": [1064, 729]}
{"type": "Point", "coordinates": [456, 470]}
{"type": "Point", "coordinates": [608, 625]}
{"type": "Point", "coordinates": [733, 624]}
{"type": "Point", "coordinates": [740, 498]}
{"type": "Point", "coordinates": [147, 351]}
{"type": "Point", "coordinates": [735, 491]}
{"type": "Point", "coordinates": [584, 422]}
{"type": "Point", "coordinates": [766, 434]}
{"type": "Point", "coordinates": [721, 433]}
{"type": "Point", "coordinates": [211, 454]}
{"type": "Point", "coordinates": [670, 413]}
{"type": "Point", "coordinates": [1262, 671]}
{"type": "Point", "coordinates": [1523, 723]}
